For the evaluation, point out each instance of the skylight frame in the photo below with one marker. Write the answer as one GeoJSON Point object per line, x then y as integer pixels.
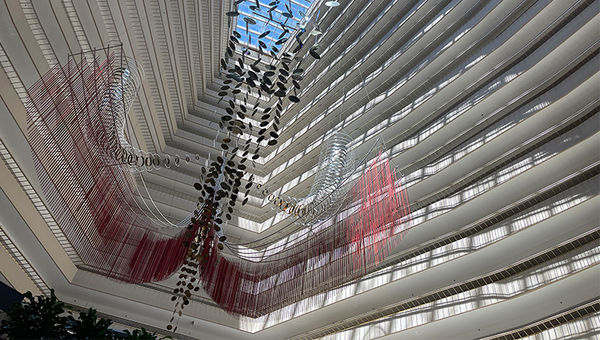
{"type": "Point", "coordinates": [263, 23]}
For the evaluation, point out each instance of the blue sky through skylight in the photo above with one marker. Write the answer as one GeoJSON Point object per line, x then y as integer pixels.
{"type": "Point", "coordinates": [273, 22]}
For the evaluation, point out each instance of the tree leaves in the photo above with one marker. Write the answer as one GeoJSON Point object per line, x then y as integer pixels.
{"type": "Point", "coordinates": [43, 317]}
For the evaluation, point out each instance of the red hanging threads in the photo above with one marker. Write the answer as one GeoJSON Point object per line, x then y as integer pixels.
{"type": "Point", "coordinates": [348, 245]}
{"type": "Point", "coordinates": [91, 194]}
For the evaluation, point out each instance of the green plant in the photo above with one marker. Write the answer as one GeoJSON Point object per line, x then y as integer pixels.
{"type": "Point", "coordinates": [42, 317]}
{"type": "Point", "coordinates": [142, 334]}
{"type": "Point", "coordinates": [89, 326]}
{"type": "Point", "coordinates": [36, 318]}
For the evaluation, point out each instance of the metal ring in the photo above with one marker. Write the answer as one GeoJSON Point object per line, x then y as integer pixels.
{"type": "Point", "coordinates": [156, 160]}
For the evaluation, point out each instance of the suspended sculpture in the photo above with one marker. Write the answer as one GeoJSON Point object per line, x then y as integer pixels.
{"type": "Point", "coordinates": [76, 115]}
{"type": "Point", "coordinates": [342, 241]}
{"type": "Point", "coordinates": [342, 230]}
{"type": "Point", "coordinates": [347, 244]}
{"type": "Point", "coordinates": [336, 164]}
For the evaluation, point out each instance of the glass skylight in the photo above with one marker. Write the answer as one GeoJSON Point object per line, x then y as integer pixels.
{"type": "Point", "coordinates": [272, 20]}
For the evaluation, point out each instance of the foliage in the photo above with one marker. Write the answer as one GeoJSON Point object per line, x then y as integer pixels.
{"type": "Point", "coordinates": [43, 317]}
{"type": "Point", "coordinates": [142, 334]}
{"type": "Point", "coordinates": [36, 318]}
{"type": "Point", "coordinates": [89, 326]}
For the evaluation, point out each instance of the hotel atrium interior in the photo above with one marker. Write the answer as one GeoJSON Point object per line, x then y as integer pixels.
{"type": "Point", "coordinates": [298, 169]}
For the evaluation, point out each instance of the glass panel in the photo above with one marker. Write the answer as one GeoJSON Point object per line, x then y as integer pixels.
{"type": "Point", "coordinates": [276, 20]}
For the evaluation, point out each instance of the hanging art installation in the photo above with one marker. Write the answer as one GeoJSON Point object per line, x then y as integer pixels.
{"type": "Point", "coordinates": [355, 213]}
{"type": "Point", "coordinates": [76, 113]}
{"type": "Point", "coordinates": [336, 163]}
